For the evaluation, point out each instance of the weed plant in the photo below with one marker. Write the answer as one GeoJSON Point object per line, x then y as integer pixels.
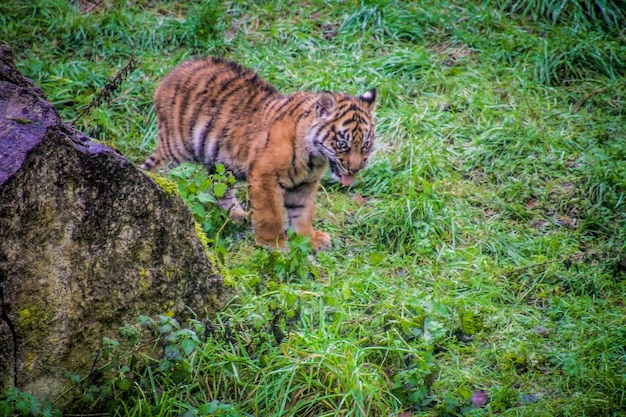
{"type": "Point", "coordinates": [478, 265]}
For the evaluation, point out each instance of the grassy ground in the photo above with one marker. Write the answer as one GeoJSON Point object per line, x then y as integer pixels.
{"type": "Point", "coordinates": [478, 265]}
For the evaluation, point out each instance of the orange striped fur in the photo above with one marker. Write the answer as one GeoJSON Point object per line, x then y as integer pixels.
{"type": "Point", "coordinates": [215, 111]}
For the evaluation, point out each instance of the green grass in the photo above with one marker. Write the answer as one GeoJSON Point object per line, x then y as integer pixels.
{"type": "Point", "coordinates": [483, 249]}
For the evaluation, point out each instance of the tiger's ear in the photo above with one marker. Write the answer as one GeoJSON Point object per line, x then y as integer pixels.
{"type": "Point", "coordinates": [369, 97]}
{"type": "Point", "coordinates": [325, 105]}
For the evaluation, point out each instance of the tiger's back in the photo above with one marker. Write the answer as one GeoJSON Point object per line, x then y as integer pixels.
{"type": "Point", "coordinates": [207, 110]}
{"type": "Point", "coordinates": [215, 111]}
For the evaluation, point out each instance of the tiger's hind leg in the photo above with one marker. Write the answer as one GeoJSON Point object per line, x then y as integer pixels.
{"type": "Point", "coordinates": [229, 202]}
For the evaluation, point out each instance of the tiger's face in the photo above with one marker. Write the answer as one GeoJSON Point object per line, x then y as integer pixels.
{"type": "Point", "coordinates": [346, 133]}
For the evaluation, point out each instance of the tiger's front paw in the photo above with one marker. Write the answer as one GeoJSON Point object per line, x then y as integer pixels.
{"type": "Point", "coordinates": [277, 243]}
{"type": "Point", "coordinates": [237, 212]}
{"type": "Point", "coordinates": [320, 240]}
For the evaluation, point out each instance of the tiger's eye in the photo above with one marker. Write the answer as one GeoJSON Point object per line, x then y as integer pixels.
{"type": "Point", "coordinates": [342, 144]}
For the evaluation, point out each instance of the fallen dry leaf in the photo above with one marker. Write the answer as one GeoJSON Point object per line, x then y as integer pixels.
{"type": "Point", "coordinates": [531, 202]}
{"type": "Point", "coordinates": [359, 199]}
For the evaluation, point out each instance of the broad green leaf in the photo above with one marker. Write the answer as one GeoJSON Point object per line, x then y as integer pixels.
{"type": "Point", "coordinates": [188, 346]}
{"type": "Point", "coordinates": [346, 290]}
{"type": "Point", "coordinates": [219, 189]}
{"type": "Point", "coordinates": [205, 197]}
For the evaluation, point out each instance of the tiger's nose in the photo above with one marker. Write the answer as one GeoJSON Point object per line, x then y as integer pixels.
{"type": "Point", "coordinates": [356, 163]}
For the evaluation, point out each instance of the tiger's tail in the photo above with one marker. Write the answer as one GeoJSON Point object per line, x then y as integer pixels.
{"type": "Point", "coordinates": [147, 166]}
{"type": "Point", "coordinates": [153, 163]}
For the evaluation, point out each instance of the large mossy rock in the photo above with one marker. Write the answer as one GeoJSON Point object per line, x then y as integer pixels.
{"type": "Point", "coordinates": [88, 243]}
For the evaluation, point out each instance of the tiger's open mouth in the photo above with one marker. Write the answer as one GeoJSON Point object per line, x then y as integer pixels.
{"type": "Point", "coordinates": [337, 175]}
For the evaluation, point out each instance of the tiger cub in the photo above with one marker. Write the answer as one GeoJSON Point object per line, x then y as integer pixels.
{"type": "Point", "coordinates": [215, 111]}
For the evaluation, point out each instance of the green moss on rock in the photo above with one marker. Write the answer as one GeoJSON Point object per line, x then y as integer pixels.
{"type": "Point", "coordinates": [166, 184]}
{"type": "Point", "coordinates": [215, 262]}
